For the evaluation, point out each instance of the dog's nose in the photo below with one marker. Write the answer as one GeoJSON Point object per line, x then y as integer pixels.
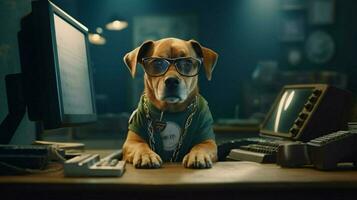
{"type": "Point", "coordinates": [171, 82]}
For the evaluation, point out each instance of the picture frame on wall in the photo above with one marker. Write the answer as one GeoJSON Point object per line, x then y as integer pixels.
{"type": "Point", "coordinates": [292, 4]}
{"type": "Point", "coordinates": [321, 12]}
{"type": "Point", "coordinates": [154, 27]}
{"type": "Point", "coordinates": [293, 28]}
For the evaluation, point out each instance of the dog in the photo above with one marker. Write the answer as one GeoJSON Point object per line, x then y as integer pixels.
{"type": "Point", "coordinates": [172, 122]}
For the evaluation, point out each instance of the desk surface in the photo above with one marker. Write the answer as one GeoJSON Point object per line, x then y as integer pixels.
{"type": "Point", "coordinates": [244, 180]}
{"type": "Point", "coordinates": [223, 174]}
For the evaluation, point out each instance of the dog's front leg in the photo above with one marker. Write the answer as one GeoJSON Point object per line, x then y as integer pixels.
{"type": "Point", "coordinates": [138, 152]}
{"type": "Point", "coordinates": [201, 155]}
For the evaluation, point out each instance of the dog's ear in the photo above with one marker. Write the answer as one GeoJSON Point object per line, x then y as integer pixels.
{"type": "Point", "coordinates": [133, 57]}
{"type": "Point", "coordinates": [209, 57]}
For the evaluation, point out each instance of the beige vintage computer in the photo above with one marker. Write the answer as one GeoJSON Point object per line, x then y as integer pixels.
{"type": "Point", "coordinates": [299, 113]}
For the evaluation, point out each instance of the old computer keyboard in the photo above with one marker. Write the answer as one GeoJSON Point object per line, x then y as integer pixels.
{"type": "Point", "coordinates": [261, 152]}
{"type": "Point", "coordinates": [92, 165]}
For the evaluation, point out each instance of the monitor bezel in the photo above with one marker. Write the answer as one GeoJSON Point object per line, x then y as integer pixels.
{"type": "Point", "coordinates": [269, 133]}
{"type": "Point", "coordinates": [66, 120]}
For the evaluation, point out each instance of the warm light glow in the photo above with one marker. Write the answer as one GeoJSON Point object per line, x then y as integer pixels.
{"type": "Point", "coordinates": [288, 101]}
{"type": "Point", "coordinates": [285, 102]}
{"type": "Point", "coordinates": [116, 25]}
{"type": "Point", "coordinates": [96, 39]}
{"type": "Point", "coordinates": [278, 114]}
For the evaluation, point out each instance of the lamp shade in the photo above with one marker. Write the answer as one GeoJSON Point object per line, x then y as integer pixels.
{"type": "Point", "coordinates": [97, 38]}
{"type": "Point", "coordinates": [116, 25]}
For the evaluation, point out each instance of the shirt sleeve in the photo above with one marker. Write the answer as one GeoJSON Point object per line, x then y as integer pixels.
{"type": "Point", "coordinates": [137, 122]}
{"type": "Point", "coordinates": [205, 124]}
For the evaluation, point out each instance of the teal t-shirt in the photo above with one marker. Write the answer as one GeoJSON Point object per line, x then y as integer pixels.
{"type": "Point", "coordinates": [167, 140]}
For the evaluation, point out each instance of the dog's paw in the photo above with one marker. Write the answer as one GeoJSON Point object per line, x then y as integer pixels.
{"type": "Point", "coordinates": [197, 160]}
{"type": "Point", "coordinates": [147, 160]}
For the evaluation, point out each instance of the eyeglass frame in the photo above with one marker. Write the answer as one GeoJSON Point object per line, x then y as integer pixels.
{"type": "Point", "coordinates": [172, 61]}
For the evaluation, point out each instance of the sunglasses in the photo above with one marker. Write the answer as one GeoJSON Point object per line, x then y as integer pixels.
{"type": "Point", "coordinates": [186, 66]}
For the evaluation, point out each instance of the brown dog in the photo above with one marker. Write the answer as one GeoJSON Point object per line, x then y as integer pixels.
{"type": "Point", "coordinates": [172, 122]}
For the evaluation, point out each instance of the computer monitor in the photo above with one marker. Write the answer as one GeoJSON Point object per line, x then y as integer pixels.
{"type": "Point", "coordinates": [56, 67]}
{"type": "Point", "coordinates": [303, 112]}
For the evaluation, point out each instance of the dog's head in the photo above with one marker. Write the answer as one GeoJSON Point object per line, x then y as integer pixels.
{"type": "Point", "coordinates": [170, 66]}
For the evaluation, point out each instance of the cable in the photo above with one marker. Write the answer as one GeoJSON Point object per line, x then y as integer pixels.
{"type": "Point", "coordinates": [54, 153]}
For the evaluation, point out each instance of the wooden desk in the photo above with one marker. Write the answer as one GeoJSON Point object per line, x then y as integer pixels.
{"type": "Point", "coordinates": [172, 181]}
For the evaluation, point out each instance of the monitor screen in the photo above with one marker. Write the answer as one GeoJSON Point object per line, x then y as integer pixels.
{"type": "Point", "coordinates": [73, 68]}
{"type": "Point", "coordinates": [56, 67]}
{"type": "Point", "coordinates": [285, 111]}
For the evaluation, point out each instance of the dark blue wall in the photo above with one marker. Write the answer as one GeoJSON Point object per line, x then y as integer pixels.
{"type": "Point", "coordinates": [241, 32]}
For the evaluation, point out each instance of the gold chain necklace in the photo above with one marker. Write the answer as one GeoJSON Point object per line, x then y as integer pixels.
{"type": "Point", "coordinates": [158, 126]}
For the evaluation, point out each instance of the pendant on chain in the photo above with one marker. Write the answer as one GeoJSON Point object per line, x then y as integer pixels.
{"type": "Point", "coordinates": [159, 126]}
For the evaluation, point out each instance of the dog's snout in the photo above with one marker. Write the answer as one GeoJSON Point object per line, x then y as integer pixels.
{"type": "Point", "coordinates": [172, 82]}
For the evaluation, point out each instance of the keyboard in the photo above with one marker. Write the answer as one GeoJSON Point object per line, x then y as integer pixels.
{"type": "Point", "coordinates": [92, 165]}
{"type": "Point", "coordinates": [327, 151]}
{"type": "Point", "coordinates": [261, 152]}
{"type": "Point", "coordinates": [226, 146]}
